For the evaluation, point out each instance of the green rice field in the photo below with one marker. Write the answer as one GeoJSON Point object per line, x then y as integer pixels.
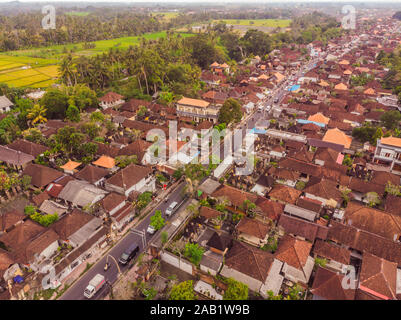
{"type": "Point", "coordinates": [37, 67]}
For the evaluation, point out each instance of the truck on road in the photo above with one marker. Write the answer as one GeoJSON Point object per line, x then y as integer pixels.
{"type": "Point", "coordinates": [94, 286]}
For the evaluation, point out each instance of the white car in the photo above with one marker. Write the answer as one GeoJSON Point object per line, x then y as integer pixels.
{"type": "Point", "coordinates": [151, 230]}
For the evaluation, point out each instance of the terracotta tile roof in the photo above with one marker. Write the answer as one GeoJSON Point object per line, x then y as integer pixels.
{"type": "Point", "coordinates": [71, 223]}
{"type": "Point", "coordinates": [285, 194]}
{"type": "Point", "coordinates": [338, 137]}
{"type": "Point", "coordinates": [365, 241]}
{"type": "Point", "coordinates": [258, 262]}
{"type": "Point", "coordinates": [129, 176]}
{"type": "Point", "coordinates": [38, 199]}
{"type": "Point", "coordinates": [330, 251]}
{"type": "Point", "coordinates": [234, 195]}
{"type": "Point", "coordinates": [392, 204]}
{"type": "Point", "coordinates": [301, 155]}
{"type": "Point", "coordinates": [112, 200]}
{"type": "Point", "coordinates": [111, 97]}
{"type": "Point", "coordinates": [209, 213]}
{"type": "Point", "coordinates": [105, 162]}
{"type": "Point", "coordinates": [285, 174]}
{"type": "Point", "coordinates": [14, 157]}
{"type": "Point", "coordinates": [137, 147]}
{"type": "Point", "coordinates": [320, 118]}
{"type": "Point", "coordinates": [293, 251]}
{"type": "Point", "coordinates": [133, 105]}
{"type": "Point", "coordinates": [363, 186]}
{"type": "Point", "coordinates": [325, 189]}
{"type": "Point", "coordinates": [91, 173]}
{"type": "Point", "coordinates": [373, 220]}
{"type": "Point", "coordinates": [41, 175]}
{"type": "Point", "coordinates": [391, 141]}
{"type": "Point", "coordinates": [341, 86]}
{"type": "Point", "coordinates": [6, 260]}
{"type": "Point", "coordinates": [328, 285]}
{"type": "Point", "coordinates": [71, 165]}
{"type": "Point", "coordinates": [20, 239]}
{"type": "Point", "coordinates": [309, 204]}
{"type": "Point", "coordinates": [27, 253]}
{"type": "Point", "coordinates": [220, 241]}
{"type": "Point", "coordinates": [382, 178]}
{"type": "Point", "coordinates": [301, 167]}
{"type": "Point", "coordinates": [302, 228]}
{"type": "Point", "coordinates": [270, 209]}
{"type": "Point", "coordinates": [378, 277]}
{"type": "Point", "coordinates": [193, 102]}
{"type": "Point", "coordinates": [326, 155]}
{"type": "Point", "coordinates": [253, 227]}
{"type": "Point", "coordinates": [28, 147]}
{"type": "Point", "coordinates": [10, 218]}
{"type": "Point", "coordinates": [105, 149]}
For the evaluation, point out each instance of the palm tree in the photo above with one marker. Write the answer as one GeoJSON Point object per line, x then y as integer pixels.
{"type": "Point", "coordinates": [67, 70]}
{"type": "Point", "coordinates": [37, 114]}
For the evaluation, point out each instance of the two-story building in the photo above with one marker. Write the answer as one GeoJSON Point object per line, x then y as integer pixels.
{"type": "Point", "coordinates": [388, 151]}
{"type": "Point", "coordinates": [198, 110]}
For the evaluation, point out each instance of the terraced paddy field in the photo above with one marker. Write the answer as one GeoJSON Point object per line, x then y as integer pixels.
{"type": "Point", "coordinates": [27, 71]}
{"type": "Point", "coordinates": [38, 67]}
{"type": "Point", "coordinates": [243, 25]}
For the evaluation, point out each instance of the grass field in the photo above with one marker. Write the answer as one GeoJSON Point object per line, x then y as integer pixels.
{"type": "Point", "coordinates": [77, 13]}
{"type": "Point", "coordinates": [167, 16]}
{"type": "Point", "coordinates": [37, 67]}
{"type": "Point", "coordinates": [271, 23]}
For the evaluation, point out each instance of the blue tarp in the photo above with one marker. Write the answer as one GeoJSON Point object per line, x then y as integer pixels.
{"type": "Point", "coordinates": [303, 121]}
{"type": "Point", "coordinates": [258, 131]}
{"type": "Point", "coordinates": [18, 279]}
{"type": "Point", "coordinates": [295, 87]}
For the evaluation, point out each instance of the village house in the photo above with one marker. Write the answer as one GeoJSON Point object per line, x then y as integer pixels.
{"type": "Point", "coordinates": [5, 104]}
{"type": "Point", "coordinates": [111, 100]}
{"type": "Point", "coordinates": [388, 151]}
{"type": "Point", "coordinates": [132, 178]}
{"type": "Point", "coordinates": [297, 263]}
{"type": "Point", "coordinates": [196, 109]}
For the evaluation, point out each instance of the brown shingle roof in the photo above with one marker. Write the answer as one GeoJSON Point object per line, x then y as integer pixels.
{"type": "Point", "coordinates": [91, 173]}
{"type": "Point", "coordinates": [111, 97]}
{"type": "Point", "coordinates": [10, 218]}
{"type": "Point", "coordinates": [258, 262]}
{"type": "Point", "coordinates": [112, 200]}
{"type": "Point", "coordinates": [271, 209]}
{"type": "Point", "coordinates": [71, 223]}
{"type": "Point", "coordinates": [129, 176]}
{"type": "Point", "coordinates": [209, 213]}
{"type": "Point", "coordinates": [253, 227]}
{"type": "Point", "coordinates": [332, 252]}
{"type": "Point", "coordinates": [325, 189]}
{"type": "Point", "coordinates": [373, 220]}
{"type": "Point", "coordinates": [41, 175]}
{"type": "Point", "coordinates": [28, 147]}
{"type": "Point", "coordinates": [235, 196]}
{"type": "Point", "coordinates": [285, 194]}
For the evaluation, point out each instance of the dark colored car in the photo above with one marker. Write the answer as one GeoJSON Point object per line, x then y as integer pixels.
{"type": "Point", "coordinates": [129, 254]}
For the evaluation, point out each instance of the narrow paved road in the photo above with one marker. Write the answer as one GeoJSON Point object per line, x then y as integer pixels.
{"type": "Point", "coordinates": [76, 292]}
